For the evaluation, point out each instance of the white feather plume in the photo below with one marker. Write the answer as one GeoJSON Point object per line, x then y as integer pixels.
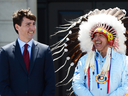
{"type": "Point", "coordinates": [85, 27]}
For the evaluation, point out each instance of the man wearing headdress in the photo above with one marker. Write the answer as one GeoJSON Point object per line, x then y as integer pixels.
{"type": "Point", "coordinates": [103, 71]}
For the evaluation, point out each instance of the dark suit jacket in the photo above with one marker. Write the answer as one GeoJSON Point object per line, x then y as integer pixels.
{"type": "Point", "coordinates": [14, 79]}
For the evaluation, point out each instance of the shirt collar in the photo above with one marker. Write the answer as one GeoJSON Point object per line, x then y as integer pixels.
{"type": "Point", "coordinates": [113, 52]}
{"type": "Point", "coordinates": [21, 43]}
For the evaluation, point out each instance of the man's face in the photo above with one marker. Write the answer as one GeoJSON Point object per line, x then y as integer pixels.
{"type": "Point", "coordinates": [100, 42]}
{"type": "Point", "coordinates": [27, 29]}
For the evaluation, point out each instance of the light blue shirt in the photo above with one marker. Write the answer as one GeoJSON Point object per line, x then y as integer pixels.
{"type": "Point", "coordinates": [118, 84]}
{"type": "Point", "coordinates": [21, 44]}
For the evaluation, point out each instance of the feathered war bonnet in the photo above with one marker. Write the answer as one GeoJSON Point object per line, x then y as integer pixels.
{"type": "Point", "coordinates": [107, 22]}
{"type": "Point", "coordinates": [78, 41]}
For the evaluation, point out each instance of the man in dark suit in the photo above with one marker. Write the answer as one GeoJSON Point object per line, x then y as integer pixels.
{"type": "Point", "coordinates": [31, 74]}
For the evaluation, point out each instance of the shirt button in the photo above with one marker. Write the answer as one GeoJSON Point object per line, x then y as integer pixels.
{"type": "Point", "coordinates": [100, 88]}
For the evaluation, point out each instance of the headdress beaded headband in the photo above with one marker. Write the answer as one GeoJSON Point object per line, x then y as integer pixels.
{"type": "Point", "coordinates": [105, 32]}
{"type": "Point", "coordinates": [111, 22]}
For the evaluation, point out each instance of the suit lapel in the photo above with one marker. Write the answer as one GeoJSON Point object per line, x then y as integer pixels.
{"type": "Point", "coordinates": [19, 56]}
{"type": "Point", "coordinates": [34, 52]}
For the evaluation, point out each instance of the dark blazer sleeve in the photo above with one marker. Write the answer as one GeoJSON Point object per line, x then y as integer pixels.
{"type": "Point", "coordinates": [4, 75]}
{"type": "Point", "coordinates": [49, 74]}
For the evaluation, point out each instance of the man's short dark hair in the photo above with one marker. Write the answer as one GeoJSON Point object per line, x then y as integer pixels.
{"type": "Point", "coordinates": [18, 16]}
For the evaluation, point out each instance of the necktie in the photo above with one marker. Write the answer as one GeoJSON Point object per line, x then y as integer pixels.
{"type": "Point", "coordinates": [26, 57]}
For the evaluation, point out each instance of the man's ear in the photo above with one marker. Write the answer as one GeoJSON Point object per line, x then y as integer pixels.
{"type": "Point", "coordinates": [17, 26]}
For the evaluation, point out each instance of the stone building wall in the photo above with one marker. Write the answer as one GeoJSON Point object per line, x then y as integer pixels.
{"type": "Point", "coordinates": [7, 7]}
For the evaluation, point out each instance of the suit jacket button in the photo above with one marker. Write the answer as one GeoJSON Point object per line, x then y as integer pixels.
{"type": "Point", "coordinates": [28, 77]}
{"type": "Point", "coordinates": [26, 92]}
